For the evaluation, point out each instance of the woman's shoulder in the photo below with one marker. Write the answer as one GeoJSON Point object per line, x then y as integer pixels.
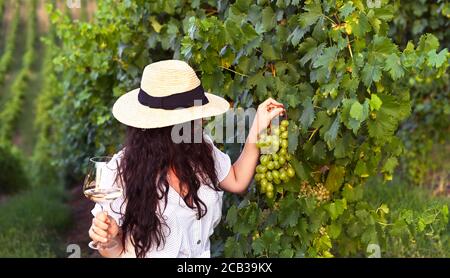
{"type": "Point", "coordinates": [120, 153]}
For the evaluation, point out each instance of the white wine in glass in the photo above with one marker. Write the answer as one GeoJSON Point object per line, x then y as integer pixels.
{"type": "Point", "coordinates": [100, 186]}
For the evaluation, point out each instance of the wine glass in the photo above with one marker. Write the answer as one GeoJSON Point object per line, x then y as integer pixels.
{"type": "Point", "coordinates": [100, 186]}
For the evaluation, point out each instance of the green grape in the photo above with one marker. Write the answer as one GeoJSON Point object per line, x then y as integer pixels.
{"type": "Point", "coordinates": [258, 177]}
{"type": "Point", "coordinates": [263, 169]}
{"type": "Point", "coordinates": [276, 174]}
{"type": "Point", "coordinates": [284, 123]}
{"type": "Point", "coordinates": [282, 160]}
{"type": "Point", "coordinates": [282, 129]}
{"type": "Point", "coordinates": [284, 134]}
{"type": "Point", "coordinates": [270, 165]}
{"type": "Point", "coordinates": [290, 172]}
{"type": "Point", "coordinates": [269, 187]}
{"type": "Point", "coordinates": [259, 168]}
{"type": "Point", "coordinates": [264, 182]}
{"type": "Point", "coordinates": [288, 157]}
{"type": "Point", "coordinates": [269, 175]}
{"type": "Point", "coordinates": [276, 181]}
{"type": "Point", "coordinates": [284, 177]}
{"type": "Point", "coordinates": [283, 151]}
{"type": "Point", "coordinates": [284, 144]}
{"type": "Point", "coordinates": [269, 194]}
{"type": "Point", "coordinates": [263, 188]}
{"type": "Point", "coordinates": [275, 157]}
{"type": "Point", "coordinates": [264, 160]}
{"type": "Point", "coordinates": [276, 164]}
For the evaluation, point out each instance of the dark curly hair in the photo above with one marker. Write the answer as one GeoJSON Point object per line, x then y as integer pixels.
{"type": "Point", "coordinates": [148, 156]}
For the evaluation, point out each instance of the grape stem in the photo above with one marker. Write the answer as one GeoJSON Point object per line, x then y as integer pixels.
{"type": "Point", "coordinates": [239, 73]}
{"type": "Point", "coordinates": [312, 134]}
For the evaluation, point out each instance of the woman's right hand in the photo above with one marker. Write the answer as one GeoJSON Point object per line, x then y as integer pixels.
{"type": "Point", "coordinates": [103, 228]}
{"type": "Point", "coordinates": [267, 110]}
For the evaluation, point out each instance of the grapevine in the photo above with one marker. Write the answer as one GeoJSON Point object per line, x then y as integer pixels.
{"type": "Point", "coordinates": [7, 56]}
{"type": "Point", "coordinates": [13, 106]}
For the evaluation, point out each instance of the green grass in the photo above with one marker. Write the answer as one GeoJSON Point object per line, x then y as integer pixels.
{"type": "Point", "coordinates": [434, 241]}
{"type": "Point", "coordinates": [31, 222]}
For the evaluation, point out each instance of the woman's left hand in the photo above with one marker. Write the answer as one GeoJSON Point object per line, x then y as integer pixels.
{"type": "Point", "coordinates": [266, 112]}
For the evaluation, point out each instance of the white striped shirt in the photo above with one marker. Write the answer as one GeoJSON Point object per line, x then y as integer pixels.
{"type": "Point", "coordinates": [188, 236]}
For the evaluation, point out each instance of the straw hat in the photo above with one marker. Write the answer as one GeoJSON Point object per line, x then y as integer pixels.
{"type": "Point", "coordinates": [170, 93]}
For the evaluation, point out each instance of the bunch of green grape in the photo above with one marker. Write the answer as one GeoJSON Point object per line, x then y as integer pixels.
{"type": "Point", "coordinates": [274, 167]}
{"type": "Point", "coordinates": [319, 191]}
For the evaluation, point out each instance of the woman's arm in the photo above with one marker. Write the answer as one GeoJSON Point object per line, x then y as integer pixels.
{"type": "Point", "coordinates": [242, 171]}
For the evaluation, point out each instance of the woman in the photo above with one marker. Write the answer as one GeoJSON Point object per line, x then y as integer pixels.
{"type": "Point", "coordinates": [172, 196]}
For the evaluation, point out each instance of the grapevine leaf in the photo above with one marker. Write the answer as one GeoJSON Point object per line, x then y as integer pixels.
{"type": "Point", "coordinates": [308, 114]}
{"type": "Point", "coordinates": [356, 111]}
{"type": "Point", "coordinates": [334, 230]}
{"type": "Point", "coordinates": [382, 46]}
{"type": "Point", "coordinates": [249, 32]}
{"type": "Point", "coordinates": [300, 169]}
{"type": "Point", "coordinates": [390, 164]}
{"type": "Point", "coordinates": [344, 146]}
{"type": "Point", "coordinates": [364, 217]}
{"type": "Point", "coordinates": [289, 212]}
{"type": "Point", "coordinates": [394, 66]}
{"type": "Point", "coordinates": [436, 60]}
{"type": "Point", "coordinates": [384, 208]}
{"type": "Point", "coordinates": [388, 116]}
{"type": "Point", "coordinates": [312, 51]}
{"type": "Point", "coordinates": [269, 52]}
{"type": "Point", "coordinates": [297, 35]}
{"type": "Point", "coordinates": [369, 235]}
{"type": "Point", "coordinates": [359, 24]}
{"type": "Point", "coordinates": [335, 178]}
{"type": "Point", "coordinates": [384, 13]}
{"type": "Point", "coordinates": [346, 9]}
{"type": "Point", "coordinates": [336, 208]}
{"type": "Point", "coordinates": [318, 152]}
{"type": "Point", "coordinates": [314, 11]}
{"type": "Point", "coordinates": [332, 132]}
{"type": "Point", "coordinates": [370, 73]}
{"type": "Point", "coordinates": [271, 240]}
{"type": "Point", "coordinates": [361, 169]}
{"type": "Point", "coordinates": [352, 194]}
{"type": "Point", "coordinates": [287, 253]}
{"type": "Point", "coordinates": [242, 5]}
{"type": "Point", "coordinates": [258, 246]}
{"type": "Point", "coordinates": [427, 43]}
{"type": "Point", "coordinates": [232, 216]}
{"type": "Point", "coordinates": [327, 59]}
{"type": "Point", "coordinates": [233, 248]}
{"type": "Point", "coordinates": [349, 121]}
{"type": "Point", "coordinates": [375, 102]}
{"type": "Point", "coordinates": [268, 19]}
